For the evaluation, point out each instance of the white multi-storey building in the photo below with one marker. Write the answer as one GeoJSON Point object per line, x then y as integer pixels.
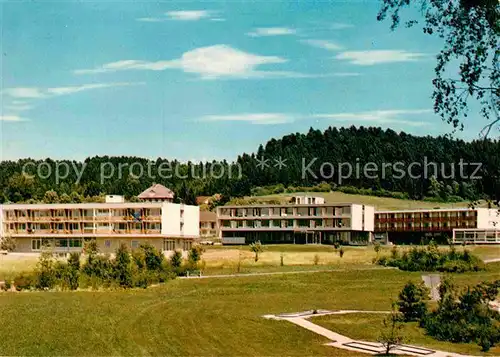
{"type": "Point", "coordinates": [479, 225]}
{"type": "Point", "coordinates": [305, 220]}
{"type": "Point", "coordinates": [66, 227]}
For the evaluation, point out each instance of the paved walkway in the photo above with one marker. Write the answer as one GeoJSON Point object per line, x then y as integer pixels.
{"type": "Point", "coordinates": [346, 343]}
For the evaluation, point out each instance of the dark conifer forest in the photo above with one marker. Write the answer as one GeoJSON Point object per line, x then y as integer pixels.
{"type": "Point", "coordinates": [383, 162]}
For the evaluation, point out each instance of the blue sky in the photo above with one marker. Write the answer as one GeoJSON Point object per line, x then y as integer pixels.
{"type": "Point", "coordinates": [204, 80]}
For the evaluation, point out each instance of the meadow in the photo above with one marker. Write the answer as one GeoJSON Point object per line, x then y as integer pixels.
{"type": "Point", "coordinates": [218, 316]}
{"type": "Point", "coordinates": [213, 316]}
{"type": "Point", "coordinates": [380, 203]}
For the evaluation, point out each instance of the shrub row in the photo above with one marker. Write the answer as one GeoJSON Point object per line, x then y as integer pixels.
{"type": "Point", "coordinates": [430, 258]}
{"type": "Point", "coordinates": [140, 268]}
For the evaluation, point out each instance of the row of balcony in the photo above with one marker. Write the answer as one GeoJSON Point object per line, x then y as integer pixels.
{"type": "Point", "coordinates": [84, 231]}
{"type": "Point", "coordinates": [286, 226]}
{"type": "Point", "coordinates": [291, 216]}
{"type": "Point", "coordinates": [83, 218]}
{"type": "Point", "coordinates": [423, 219]}
{"type": "Point", "coordinates": [413, 229]}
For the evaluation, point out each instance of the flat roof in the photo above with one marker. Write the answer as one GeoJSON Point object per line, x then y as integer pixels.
{"type": "Point", "coordinates": [427, 210]}
{"type": "Point", "coordinates": [285, 205]}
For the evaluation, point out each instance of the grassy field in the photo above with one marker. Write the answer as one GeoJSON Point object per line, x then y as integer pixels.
{"type": "Point", "coordinates": [367, 327]}
{"type": "Point", "coordinates": [380, 203]}
{"type": "Point", "coordinates": [193, 316]}
{"type": "Point", "coordinates": [222, 258]}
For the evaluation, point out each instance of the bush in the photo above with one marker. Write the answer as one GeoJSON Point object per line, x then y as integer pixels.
{"type": "Point", "coordinates": [153, 258]}
{"type": "Point", "coordinates": [195, 256]}
{"type": "Point", "coordinates": [99, 270]}
{"type": "Point", "coordinates": [139, 259]}
{"type": "Point", "coordinates": [465, 317]}
{"type": "Point", "coordinates": [8, 243]}
{"type": "Point", "coordinates": [45, 271]}
{"type": "Point", "coordinates": [176, 262]}
{"type": "Point", "coordinates": [25, 281]}
{"type": "Point", "coordinates": [430, 258]}
{"type": "Point", "coordinates": [145, 267]}
{"type": "Point", "coordinates": [73, 270]}
{"type": "Point", "coordinates": [411, 301]}
{"type": "Point", "coordinates": [122, 267]}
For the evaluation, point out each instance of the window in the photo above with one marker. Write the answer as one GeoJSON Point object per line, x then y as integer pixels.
{"type": "Point", "coordinates": [134, 244]}
{"type": "Point", "coordinates": [36, 244]}
{"type": "Point", "coordinates": [107, 243]}
{"type": "Point", "coordinates": [75, 243]}
{"type": "Point", "coordinates": [186, 245]}
{"type": "Point", "coordinates": [62, 243]}
{"type": "Point", "coordinates": [168, 244]}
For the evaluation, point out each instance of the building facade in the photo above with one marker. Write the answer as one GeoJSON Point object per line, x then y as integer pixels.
{"type": "Point", "coordinates": [157, 193]}
{"type": "Point", "coordinates": [415, 226]}
{"type": "Point", "coordinates": [66, 227]}
{"type": "Point", "coordinates": [208, 224]}
{"type": "Point", "coordinates": [299, 223]}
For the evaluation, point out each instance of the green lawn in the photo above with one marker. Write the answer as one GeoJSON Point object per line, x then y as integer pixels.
{"type": "Point", "coordinates": [200, 317]}
{"type": "Point", "coordinates": [367, 327]}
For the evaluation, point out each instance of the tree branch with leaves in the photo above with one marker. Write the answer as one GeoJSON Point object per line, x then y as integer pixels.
{"type": "Point", "coordinates": [470, 30]}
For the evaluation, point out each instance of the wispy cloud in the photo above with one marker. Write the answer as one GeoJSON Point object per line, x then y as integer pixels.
{"type": "Point", "coordinates": [253, 118]}
{"type": "Point", "coordinates": [271, 31]}
{"type": "Point", "coordinates": [24, 92]}
{"type": "Point", "coordinates": [396, 116]}
{"type": "Point", "coordinates": [192, 15]}
{"type": "Point", "coordinates": [11, 118]}
{"type": "Point", "coordinates": [184, 15]}
{"type": "Point", "coordinates": [18, 107]}
{"type": "Point", "coordinates": [340, 26]}
{"type": "Point", "coordinates": [24, 98]}
{"type": "Point", "coordinates": [324, 44]}
{"type": "Point", "coordinates": [39, 93]}
{"type": "Point", "coordinates": [208, 62]}
{"type": "Point", "coordinates": [214, 62]}
{"type": "Point", "coordinates": [369, 58]}
{"type": "Point", "coordinates": [151, 19]}
{"type": "Point", "coordinates": [375, 117]}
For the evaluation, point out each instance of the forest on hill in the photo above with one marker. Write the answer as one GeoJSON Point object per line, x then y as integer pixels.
{"type": "Point", "coordinates": [355, 160]}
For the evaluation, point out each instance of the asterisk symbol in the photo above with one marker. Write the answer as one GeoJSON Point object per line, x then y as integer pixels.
{"type": "Point", "coordinates": [280, 163]}
{"type": "Point", "coordinates": [262, 163]}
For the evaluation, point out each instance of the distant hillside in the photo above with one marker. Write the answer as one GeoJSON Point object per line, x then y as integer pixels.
{"type": "Point", "coordinates": [380, 203]}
